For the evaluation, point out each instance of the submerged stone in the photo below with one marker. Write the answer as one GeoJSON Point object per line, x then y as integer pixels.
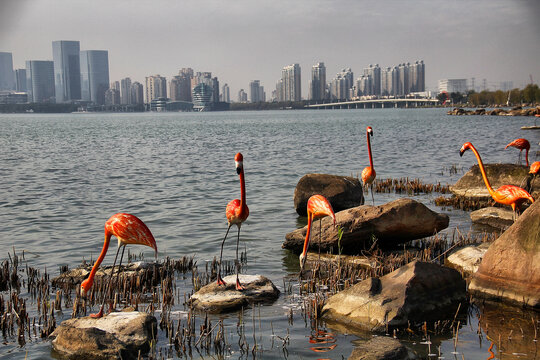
{"type": "Point", "coordinates": [217, 298]}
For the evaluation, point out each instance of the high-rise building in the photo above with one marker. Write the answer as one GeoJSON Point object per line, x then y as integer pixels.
{"type": "Point", "coordinates": [373, 72]}
{"type": "Point", "coordinates": [20, 80]}
{"type": "Point", "coordinates": [262, 94]}
{"type": "Point", "coordinates": [317, 86]}
{"type": "Point", "coordinates": [226, 97]}
{"type": "Point", "coordinates": [40, 81]}
{"type": "Point", "coordinates": [112, 96]}
{"type": "Point", "coordinates": [453, 86]}
{"type": "Point", "coordinates": [125, 91]}
{"type": "Point", "coordinates": [341, 84]}
{"type": "Point", "coordinates": [254, 91]}
{"type": "Point", "coordinates": [7, 78]}
{"type": "Point", "coordinates": [137, 93]}
{"type": "Point", "coordinates": [156, 87]}
{"type": "Point", "coordinates": [67, 70]}
{"type": "Point", "coordinates": [242, 96]}
{"type": "Point", "coordinates": [94, 75]}
{"type": "Point", "coordinates": [202, 97]}
{"type": "Point", "coordinates": [291, 84]}
{"type": "Point", "coordinates": [418, 82]}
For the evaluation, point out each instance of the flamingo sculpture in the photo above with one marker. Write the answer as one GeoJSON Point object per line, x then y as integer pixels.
{"type": "Point", "coordinates": [506, 194]}
{"type": "Point", "coordinates": [521, 144]}
{"type": "Point", "coordinates": [368, 174]}
{"type": "Point", "coordinates": [317, 207]}
{"type": "Point", "coordinates": [128, 229]}
{"type": "Point", "coordinates": [236, 212]}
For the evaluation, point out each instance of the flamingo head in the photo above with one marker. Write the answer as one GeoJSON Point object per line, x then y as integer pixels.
{"type": "Point", "coordinates": [239, 160]}
{"type": "Point", "coordinates": [303, 258]}
{"type": "Point", "coordinates": [85, 286]}
{"type": "Point", "coordinates": [464, 148]}
{"type": "Point", "coordinates": [369, 130]}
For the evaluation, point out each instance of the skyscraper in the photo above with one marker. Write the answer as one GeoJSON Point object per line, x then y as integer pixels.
{"type": "Point", "coordinates": [20, 80]}
{"type": "Point", "coordinates": [291, 83]}
{"type": "Point", "coordinates": [137, 93]}
{"type": "Point", "coordinates": [254, 91]}
{"type": "Point", "coordinates": [7, 78]}
{"type": "Point", "coordinates": [373, 72]}
{"type": "Point", "coordinates": [125, 91]}
{"type": "Point", "coordinates": [317, 87]}
{"type": "Point", "coordinates": [94, 75]}
{"type": "Point", "coordinates": [156, 87]}
{"type": "Point", "coordinates": [226, 93]}
{"type": "Point", "coordinates": [67, 70]}
{"type": "Point", "coordinates": [341, 84]}
{"type": "Point", "coordinates": [40, 81]}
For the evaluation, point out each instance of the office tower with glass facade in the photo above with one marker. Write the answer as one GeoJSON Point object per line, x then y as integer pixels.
{"type": "Point", "coordinates": [40, 81]}
{"type": "Point", "coordinates": [7, 78]}
{"type": "Point", "coordinates": [20, 80]}
{"type": "Point", "coordinates": [125, 91]}
{"type": "Point", "coordinates": [94, 75]}
{"type": "Point", "coordinates": [226, 93]}
{"type": "Point", "coordinates": [254, 93]}
{"type": "Point", "coordinates": [137, 93]}
{"type": "Point", "coordinates": [67, 70]}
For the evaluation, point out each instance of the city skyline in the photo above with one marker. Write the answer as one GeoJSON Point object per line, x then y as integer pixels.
{"type": "Point", "coordinates": [243, 41]}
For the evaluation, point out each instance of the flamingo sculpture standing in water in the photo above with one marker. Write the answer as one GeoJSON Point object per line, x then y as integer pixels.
{"type": "Point", "coordinates": [317, 207]}
{"type": "Point", "coordinates": [236, 212]}
{"type": "Point", "coordinates": [506, 194]}
{"type": "Point", "coordinates": [368, 174]}
{"type": "Point", "coordinates": [521, 144]}
{"type": "Point", "coordinates": [128, 229]}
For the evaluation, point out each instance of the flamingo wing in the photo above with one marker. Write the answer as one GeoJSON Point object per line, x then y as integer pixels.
{"type": "Point", "coordinates": [368, 175]}
{"type": "Point", "coordinates": [519, 144]}
{"type": "Point", "coordinates": [535, 168]}
{"type": "Point", "coordinates": [129, 229]}
{"type": "Point", "coordinates": [319, 207]}
{"type": "Point", "coordinates": [510, 194]}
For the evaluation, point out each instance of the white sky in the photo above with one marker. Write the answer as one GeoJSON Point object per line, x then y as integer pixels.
{"type": "Point", "coordinates": [243, 40]}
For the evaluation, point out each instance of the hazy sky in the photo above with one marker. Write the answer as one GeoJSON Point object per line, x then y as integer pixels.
{"type": "Point", "coordinates": [243, 40]}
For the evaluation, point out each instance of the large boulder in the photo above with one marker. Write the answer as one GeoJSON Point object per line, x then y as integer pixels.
{"type": "Point", "coordinates": [343, 192]}
{"type": "Point", "coordinates": [380, 348]}
{"type": "Point", "coordinates": [390, 224]}
{"type": "Point", "coordinates": [416, 292]}
{"type": "Point", "coordinates": [218, 299]}
{"type": "Point", "coordinates": [471, 185]}
{"type": "Point", "coordinates": [496, 217]}
{"type": "Point", "coordinates": [117, 335]}
{"type": "Point", "coordinates": [467, 259]}
{"type": "Point", "coordinates": [510, 269]}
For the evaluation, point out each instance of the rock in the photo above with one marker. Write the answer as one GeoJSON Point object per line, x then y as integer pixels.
{"type": "Point", "coordinates": [343, 192]}
{"type": "Point", "coordinates": [497, 217]}
{"type": "Point", "coordinates": [479, 112]}
{"type": "Point", "coordinates": [466, 260]}
{"type": "Point", "coordinates": [471, 185]}
{"type": "Point", "coordinates": [379, 348]}
{"type": "Point", "coordinates": [416, 292]}
{"type": "Point", "coordinates": [510, 269]}
{"type": "Point", "coordinates": [119, 334]}
{"type": "Point", "coordinates": [217, 299]}
{"type": "Point", "coordinates": [393, 223]}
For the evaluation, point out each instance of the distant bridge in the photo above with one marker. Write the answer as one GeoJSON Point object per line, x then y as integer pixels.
{"type": "Point", "coordinates": [375, 103]}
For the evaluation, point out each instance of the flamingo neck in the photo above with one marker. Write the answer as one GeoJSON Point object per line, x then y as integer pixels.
{"type": "Point", "coordinates": [483, 171]}
{"type": "Point", "coordinates": [306, 242]}
{"type": "Point", "coordinates": [369, 151]}
{"type": "Point", "coordinates": [242, 190]}
{"type": "Point", "coordinates": [100, 258]}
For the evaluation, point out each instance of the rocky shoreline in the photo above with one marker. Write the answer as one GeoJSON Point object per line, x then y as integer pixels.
{"type": "Point", "coordinates": [515, 111]}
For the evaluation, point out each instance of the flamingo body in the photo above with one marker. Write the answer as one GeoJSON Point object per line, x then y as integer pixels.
{"type": "Point", "coordinates": [506, 194]}
{"type": "Point", "coordinates": [317, 207]}
{"type": "Point", "coordinates": [128, 229]}
{"type": "Point", "coordinates": [368, 174]}
{"type": "Point", "coordinates": [535, 168]}
{"type": "Point", "coordinates": [521, 144]}
{"type": "Point", "coordinates": [236, 213]}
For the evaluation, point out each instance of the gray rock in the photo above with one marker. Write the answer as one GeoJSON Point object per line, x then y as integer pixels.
{"type": "Point", "coordinates": [416, 292]}
{"type": "Point", "coordinates": [119, 334]}
{"type": "Point", "coordinates": [343, 192]}
{"type": "Point", "coordinates": [510, 269]}
{"type": "Point", "coordinates": [496, 217]}
{"type": "Point", "coordinates": [380, 348]}
{"type": "Point", "coordinates": [471, 185]}
{"type": "Point", "coordinates": [466, 260]}
{"type": "Point", "coordinates": [393, 223]}
{"type": "Point", "coordinates": [217, 299]}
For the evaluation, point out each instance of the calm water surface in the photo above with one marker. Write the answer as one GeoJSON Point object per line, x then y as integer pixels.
{"type": "Point", "coordinates": [64, 175]}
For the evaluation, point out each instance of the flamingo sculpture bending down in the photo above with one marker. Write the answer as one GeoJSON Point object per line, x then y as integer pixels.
{"type": "Point", "coordinates": [236, 212]}
{"type": "Point", "coordinates": [535, 168]}
{"type": "Point", "coordinates": [506, 194]}
{"type": "Point", "coordinates": [317, 207]}
{"type": "Point", "coordinates": [521, 144]}
{"type": "Point", "coordinates": [368, 174]}
{"type": "Point", "coordinates": [128, 229]}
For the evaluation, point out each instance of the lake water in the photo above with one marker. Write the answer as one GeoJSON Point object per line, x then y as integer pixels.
{"type": "Point", "coordinates": [64, 175]}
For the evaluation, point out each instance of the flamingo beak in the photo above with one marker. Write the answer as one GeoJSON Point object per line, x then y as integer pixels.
{"type": "Point", "coordinates": [461, 152]}
{"type": "Point", "coordinates": [238, 167]}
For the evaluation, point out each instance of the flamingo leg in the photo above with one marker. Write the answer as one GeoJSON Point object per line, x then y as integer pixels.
{"type": "Point", "coordinates": [238, 285]}
{"type": "Point", "coordinates": [372, 198]}
{"type": "Point", "coordinates": [219, 279]}
{"type": "Point", "coordinates": [119, 267]}
{"type": "Point", "coordinates": [320, 238]}
{"type": "Point", "coordinates": [100, 313]}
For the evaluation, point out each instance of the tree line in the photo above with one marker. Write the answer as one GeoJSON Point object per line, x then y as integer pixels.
{"type": "Point", "coordinates": [529, 95]}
